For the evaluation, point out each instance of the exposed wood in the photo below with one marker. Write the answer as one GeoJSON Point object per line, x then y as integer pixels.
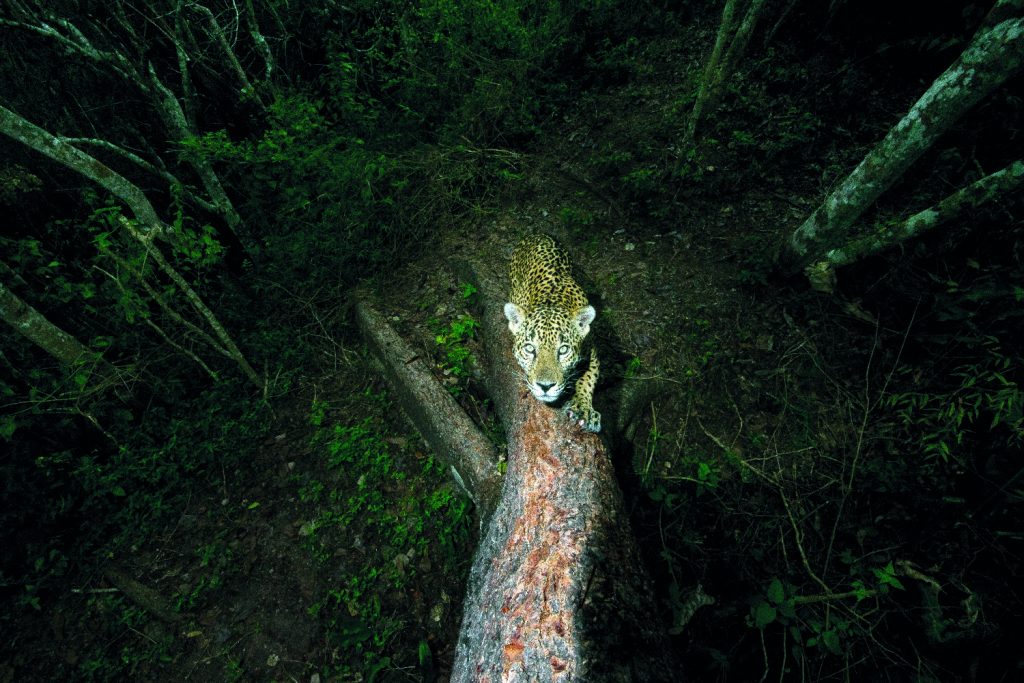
{"type": "Point", "coordinates": [451, 434]}
{"type": "Point", "coordinates": [557, 590]}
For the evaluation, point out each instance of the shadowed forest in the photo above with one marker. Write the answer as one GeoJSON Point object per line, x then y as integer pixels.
{"type": "Point", "coordinates": [801, 225]}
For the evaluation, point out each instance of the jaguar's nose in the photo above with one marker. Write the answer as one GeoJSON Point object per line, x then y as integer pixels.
{"type": "Point", "coordinates": [545, 386]}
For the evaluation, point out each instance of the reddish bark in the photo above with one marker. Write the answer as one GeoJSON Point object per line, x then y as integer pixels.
{"type": "Point", "coordinates": [557, 590]}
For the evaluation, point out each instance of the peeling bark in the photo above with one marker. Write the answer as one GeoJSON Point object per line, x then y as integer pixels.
{"type": "Point", "coordinates": [557, 590]}
{"type": "Point", "coordinates": [995, 53]}
{"type": "Point", "coordinates": [451, 434]}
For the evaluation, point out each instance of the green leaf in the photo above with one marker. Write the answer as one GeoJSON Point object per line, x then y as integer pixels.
{"type": "Point", "coordinates": [776, 593]}
{"type": "Point", "coordinates": [8, 425]}
{"type": "Point", "coordinates": [830, 639]}
{"type": "Point", "coordinates": [703, 470]}
{"type": "Point", "coordinates": [764, 614]}
{"type": "Point", "coordinates": [887, 576]}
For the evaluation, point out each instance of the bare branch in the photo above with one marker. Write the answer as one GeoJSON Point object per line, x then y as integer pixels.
{"type": "Point", "coordinates": [218, 34]}
{"type": "Point", "coordinates": [40, 140]}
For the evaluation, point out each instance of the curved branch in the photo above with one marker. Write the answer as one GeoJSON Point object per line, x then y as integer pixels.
{"type": "Point", "coordinates": [40, 140]}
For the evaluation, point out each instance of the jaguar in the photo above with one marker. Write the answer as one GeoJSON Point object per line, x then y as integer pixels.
{"type": "Point", "coordinates": [549, 317]}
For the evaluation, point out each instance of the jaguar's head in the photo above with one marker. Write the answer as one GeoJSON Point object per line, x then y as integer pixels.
{"type": "Point", "coordinates": [547, 344]}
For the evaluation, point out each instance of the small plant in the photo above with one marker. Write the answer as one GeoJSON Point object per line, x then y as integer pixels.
{"type": "Point", "coordinates": [577, 220]}
{"type": "Point", "coordinates": [985, 391]}
{"type": "Point", "coordinates": [468, 291]}
{"type": "Point", "coordinates": [405, 516]}
{"type": "Point", "coordinates": [452, 340]}
{"type": "Point", "coordinates": [703, 346]}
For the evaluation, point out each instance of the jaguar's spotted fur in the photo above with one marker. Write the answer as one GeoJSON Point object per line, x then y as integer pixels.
{"type": "Point", "coordinates": [549, 317]}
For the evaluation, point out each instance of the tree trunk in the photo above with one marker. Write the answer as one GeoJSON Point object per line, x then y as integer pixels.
{"type": "Point", "coordinates": [557, 590]}
{"type": "Point", "coordinates": [710, 71]}
{"type": "Point", "coordinates": [451, 434]}
{"type": "Point", "coordinates": [995, 54]}
{"type": "Point", "coordinates": [719, 68]}
{"type": "Point", "coordinates": [1002, 183]}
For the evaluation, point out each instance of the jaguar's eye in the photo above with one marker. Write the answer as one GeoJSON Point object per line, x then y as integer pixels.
{"type": "Point", "coordinates": [563, 349]}
{"type": "Point", "coordinates": [529, 348]}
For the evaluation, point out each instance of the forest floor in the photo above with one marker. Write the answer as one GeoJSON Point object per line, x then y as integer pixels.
{"type": "Point", "coordinates": [276, 577]}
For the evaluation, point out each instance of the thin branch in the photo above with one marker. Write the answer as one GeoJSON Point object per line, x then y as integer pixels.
{"type": "Point", "coordinates": [197, 303]}
{"type": "Point", "coordinates": [156, 328]}
{"type": "Point", "coordinates": [167, 308]}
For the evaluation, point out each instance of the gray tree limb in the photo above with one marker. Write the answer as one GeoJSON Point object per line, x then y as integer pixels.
{"type": "Point", "coordinates": [33, 325]}
{"type": "Point", "coordinates": [23, 131]}
{"type": "Point", "coordinates": [472, 459]}
{"type": "Point", "coordinates": [995, 53]}
{"type": "Point", "coordinates": [1003, 183]}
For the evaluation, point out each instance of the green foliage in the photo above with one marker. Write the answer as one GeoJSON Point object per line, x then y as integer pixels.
{"type": "Point", "coordinates": [452, 340]}
{"type": "Point", "coordinates": [983, 398]}
{"type": "Point", "coordinates": [404, 517]}
{"type": "Point", "coordinates": [809, 621]}
{"type": "Point", "coordinates": [578, 221]}
{"type": "Point", "coordinates": [332, 198]}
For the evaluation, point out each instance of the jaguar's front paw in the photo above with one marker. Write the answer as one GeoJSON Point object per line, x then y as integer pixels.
{"type": "Point", "coordinates": [585, 416]}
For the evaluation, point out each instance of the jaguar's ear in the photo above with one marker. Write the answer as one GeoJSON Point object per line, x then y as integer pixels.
{"type": "Point", "coordinates": [515, 317]}
{"type": "Point", "coordinates": [584, 317]}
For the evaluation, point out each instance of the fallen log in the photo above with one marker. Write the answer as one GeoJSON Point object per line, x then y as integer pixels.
{"type": "Point", "coordinates": [451, 434]}
{"type": "Point", "coordinates": [557, 590]}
